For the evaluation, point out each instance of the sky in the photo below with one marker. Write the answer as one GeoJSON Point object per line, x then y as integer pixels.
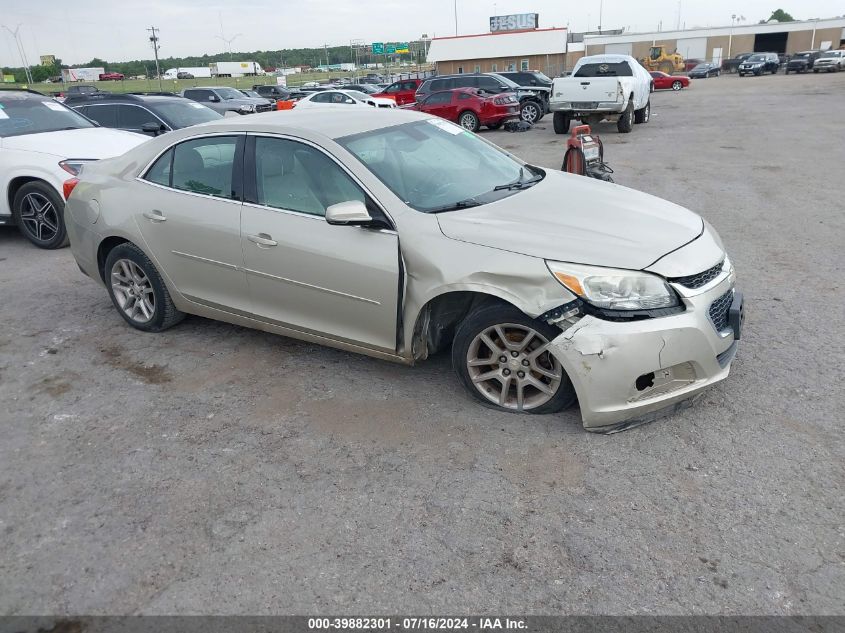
{"type": "Point", "coordinates": [78, 31]}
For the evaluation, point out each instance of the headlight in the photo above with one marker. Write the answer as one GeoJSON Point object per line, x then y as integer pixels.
{"type": "Point", "coordinates": [74, 166]}
{"type": "Point", "coordinates": [615, 289]}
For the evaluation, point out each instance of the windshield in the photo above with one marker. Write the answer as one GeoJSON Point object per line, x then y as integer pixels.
{"type": "Point", "coordinates": [615, 69]}
{"type": "Point", "coordinates": [829, 54]}
{"type": "Point", "coordinates": [756, 58]}
{"type": "Point", "coordinates": [435, 166]}
{"type": "Point", "coordinates": [228, 93]}
{"type": "Point", "coordinates": [701, 67]}
{"type": "Point", "coordinates": [542, 77]}
{"type": "Point", "coordinates": [356, 94]}
{"type": "Point", "coordinates": [25, 115]}
{"type": "Point", "coordinates": [180, 114]}
{"type": "Point", "coordinates": [510, 83]}
{"type": "Point", "coordinates": [801, 55]}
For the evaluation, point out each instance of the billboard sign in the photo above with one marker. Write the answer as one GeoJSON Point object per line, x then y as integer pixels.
{"type": "Point", "coordinates": [48, 60]}
{"type": "Point", "coordinates": [378, 48]}
{"type": "Point", "coordinates": [516, 22]}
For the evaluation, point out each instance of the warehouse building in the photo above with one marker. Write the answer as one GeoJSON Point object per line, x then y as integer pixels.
{"type": "Point", "coordinates": [716, 44]}
{"type": "Point", "coordinates": [546, 50]}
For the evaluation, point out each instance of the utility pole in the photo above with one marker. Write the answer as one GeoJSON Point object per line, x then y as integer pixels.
{"type": "Point", "coordinates": [601, 7]}
{"type": "Point", "coordinates": [19, 44]}
{"type": "Point", "coordinates": [456, 18]}
{"type": "Point", "coordinates": [154, 42]}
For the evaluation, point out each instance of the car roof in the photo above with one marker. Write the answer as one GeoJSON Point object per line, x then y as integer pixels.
{"type": "Point", "coordinates": [20, 93]}
{"type": "Point", "coordinates": [343, 121]}
{"type": "Point", "coordinates": [606, 57]}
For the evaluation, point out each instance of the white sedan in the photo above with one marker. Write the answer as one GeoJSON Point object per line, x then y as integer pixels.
{"type": "Point", "coordinates": [343, 97]}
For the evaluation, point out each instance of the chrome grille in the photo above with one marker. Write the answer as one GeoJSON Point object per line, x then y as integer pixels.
{"type": "Point", "coordinates": [699, 279]}
{"type": "Point", "coordinates": [719, 311]}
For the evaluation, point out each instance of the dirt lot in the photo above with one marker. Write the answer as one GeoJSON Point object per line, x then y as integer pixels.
{"type": "Point", "coordinates": [217, 469]}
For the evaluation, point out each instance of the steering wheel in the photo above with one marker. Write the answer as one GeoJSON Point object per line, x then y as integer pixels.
{"type": "Point", "coordinates": [431, 190]}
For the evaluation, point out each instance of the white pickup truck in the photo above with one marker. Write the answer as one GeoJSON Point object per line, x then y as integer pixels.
{"type": "Point", "coordinates": [602, 87]}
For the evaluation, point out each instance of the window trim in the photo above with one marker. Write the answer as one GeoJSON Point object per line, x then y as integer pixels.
{"type": "Point", "coordinates": [237, 174]}
{"type": "Point", "coordinates": [250, 184]}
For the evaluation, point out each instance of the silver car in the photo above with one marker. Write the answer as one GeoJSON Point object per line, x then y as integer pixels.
{"type": "Point", "coordinates": [396, 234]}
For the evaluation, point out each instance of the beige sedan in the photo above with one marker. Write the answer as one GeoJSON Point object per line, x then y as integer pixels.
{"type": "Point", "coordinates": [396, 234]}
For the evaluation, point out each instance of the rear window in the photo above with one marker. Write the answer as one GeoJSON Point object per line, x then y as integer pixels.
{"type": "Point", "coordinates": [613, 69]}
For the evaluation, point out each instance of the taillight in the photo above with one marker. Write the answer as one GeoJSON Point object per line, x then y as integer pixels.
{"type": "Point", "coordinates": [68, 186]}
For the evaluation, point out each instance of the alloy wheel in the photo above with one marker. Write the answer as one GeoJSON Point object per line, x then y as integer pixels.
{"type": "Point", "coordinates": [530, 113]}
{"type": "Point", "coordinates": [468, 121]}
{"type": "Point", "coordinates": [676, 85]}
{"type": "Point", "coordinates": [511, 366]}
{"type": "Point", "coordinates": [39, 217]}
{"type": "Point", "coordinates": [133, 290]}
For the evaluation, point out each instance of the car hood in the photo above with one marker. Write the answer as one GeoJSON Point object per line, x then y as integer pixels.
{"type": "Point", "coordinates": [95, 142]}
{"type": "Point", "coordinates": [580, 220]}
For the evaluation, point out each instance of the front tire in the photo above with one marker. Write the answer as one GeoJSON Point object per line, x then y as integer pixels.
{"type": "Point", "coordinates": [677, 85]}
{"type": "Point", "coordinates": [138, 291]}
{"type": "Point", "coordinates": [561, 122]}
{"type": "Point", "coordinates": [39, 212]}
{"type": "Point", "coordinates": [643, 114]}
{"type": "Point", "coordinates": [469, 121]}
{"type": "Point", "coordinates": [502, 358]}
{"type": "Point", "coordinates": [626, 120]}
{"type": "Point", "coordinates": [531, 112]}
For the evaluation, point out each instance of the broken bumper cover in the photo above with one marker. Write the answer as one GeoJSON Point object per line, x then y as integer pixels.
{"type": "Point", "coordinates": [629, 373]}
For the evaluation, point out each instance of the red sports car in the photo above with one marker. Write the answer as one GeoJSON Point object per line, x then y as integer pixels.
{"type": "Point", "coordinates": [662, 81]}
{"type": "Point", "coordinates": [111, 76]}
{"type": "Point", "coordinates": [471, 108]}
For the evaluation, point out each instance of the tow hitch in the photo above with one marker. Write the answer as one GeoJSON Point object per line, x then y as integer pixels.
{"type": "Point", "coordinates": [585, 155]}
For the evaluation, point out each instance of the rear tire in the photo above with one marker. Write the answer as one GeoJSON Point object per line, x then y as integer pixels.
{"type": "Point", "coordinates": [561, 122]}
{"type": "Point", "coordinates": [626, 120]}
{"type": "Point", "coordinates": [138, 291]}
{"type": "Point", "coordinates": [39, 212]}
{"type": "Point", "coordinates": [469, 121]}
{"type": "Point", "coordinates": [498, 332]}
{"type": "Point", "coordinates": [643, 114]}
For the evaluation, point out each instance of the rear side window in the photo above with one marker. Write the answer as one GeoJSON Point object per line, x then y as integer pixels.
{"type": "Point", "coordinates": [463, 82]}
{"type": "Point", "coordinates": [614, 69]}
{"type": "Point", "coordinates": [198, 95]}
{"type": "Point", "coordinates": [199, 166]}
{"type": "Point", "coordinates": [439, 97]}
{"type": "Point", "coordinates": [487, 83]}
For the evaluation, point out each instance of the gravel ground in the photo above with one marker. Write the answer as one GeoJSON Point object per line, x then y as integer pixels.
{"type": "Point", "coordinates": [214, 469]}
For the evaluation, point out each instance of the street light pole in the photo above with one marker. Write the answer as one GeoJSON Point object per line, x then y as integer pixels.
{"type": "Point", "coordinates": [154, 42]}
{"type": "Point", "coordinates": [456, 18]}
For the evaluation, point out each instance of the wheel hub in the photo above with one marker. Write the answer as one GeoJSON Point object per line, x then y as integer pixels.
{"type": "Point", "coordinates": [511, 365]}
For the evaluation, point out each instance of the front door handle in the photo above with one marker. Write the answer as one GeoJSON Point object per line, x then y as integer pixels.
{"type": "Point", "coordinates": [262, 239]}
{"type": "Point", "coordinates": [154, 216]}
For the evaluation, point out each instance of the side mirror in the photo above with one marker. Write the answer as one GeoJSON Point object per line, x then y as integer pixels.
{"type": "Point", "coordinates": [214, 98]}
{"type": "Point", "coordinates": [351, 212]}
{"type": "Point", "coordinates": [151, 128]}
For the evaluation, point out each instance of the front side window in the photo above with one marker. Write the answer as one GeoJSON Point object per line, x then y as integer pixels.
{"type": "Point", "coordinates": [199, 166]}
{"type": "Point", "coordinates": [393, 88]}
{"type": "Point", "coordinates": [179, 114]}
{"type": "Point", "coordinates": [297, 177]}
{"type": "Point", "coordinates": [105, 115]}
{"type": "Point", "coordinates": [132, 117]}
{"type": "Point", "coordinates": [198, 95]}
{"type": "Point", "coordinates": [439, 98]}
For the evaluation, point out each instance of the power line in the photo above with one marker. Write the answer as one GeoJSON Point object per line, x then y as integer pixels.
{"type": "Point", "coordinates": [16, 35]}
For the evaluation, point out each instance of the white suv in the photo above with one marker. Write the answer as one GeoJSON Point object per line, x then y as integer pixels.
{"type": "Point", "coordinates": [42, 144]}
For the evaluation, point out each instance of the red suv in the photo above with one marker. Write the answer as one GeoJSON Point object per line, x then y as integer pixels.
{"type": "Point", "coordinates": [471, 108]}
{"type": "Point", "coordinates": [111, 76]}
{"type": "Point", "coordinates": [402, 92]}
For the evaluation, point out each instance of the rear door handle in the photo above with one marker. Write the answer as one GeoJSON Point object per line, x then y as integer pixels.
{"type": "Point", "coordinates": [154, 216]}
{"type": "Point", "coordinates": [262, 239]}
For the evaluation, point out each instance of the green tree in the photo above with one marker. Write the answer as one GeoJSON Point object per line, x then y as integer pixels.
{"type": "Point", "coordinates": [780, 15]}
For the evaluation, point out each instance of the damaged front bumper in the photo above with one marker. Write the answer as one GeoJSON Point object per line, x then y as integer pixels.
{"type": "Point", "coordinates": [629, 373]}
